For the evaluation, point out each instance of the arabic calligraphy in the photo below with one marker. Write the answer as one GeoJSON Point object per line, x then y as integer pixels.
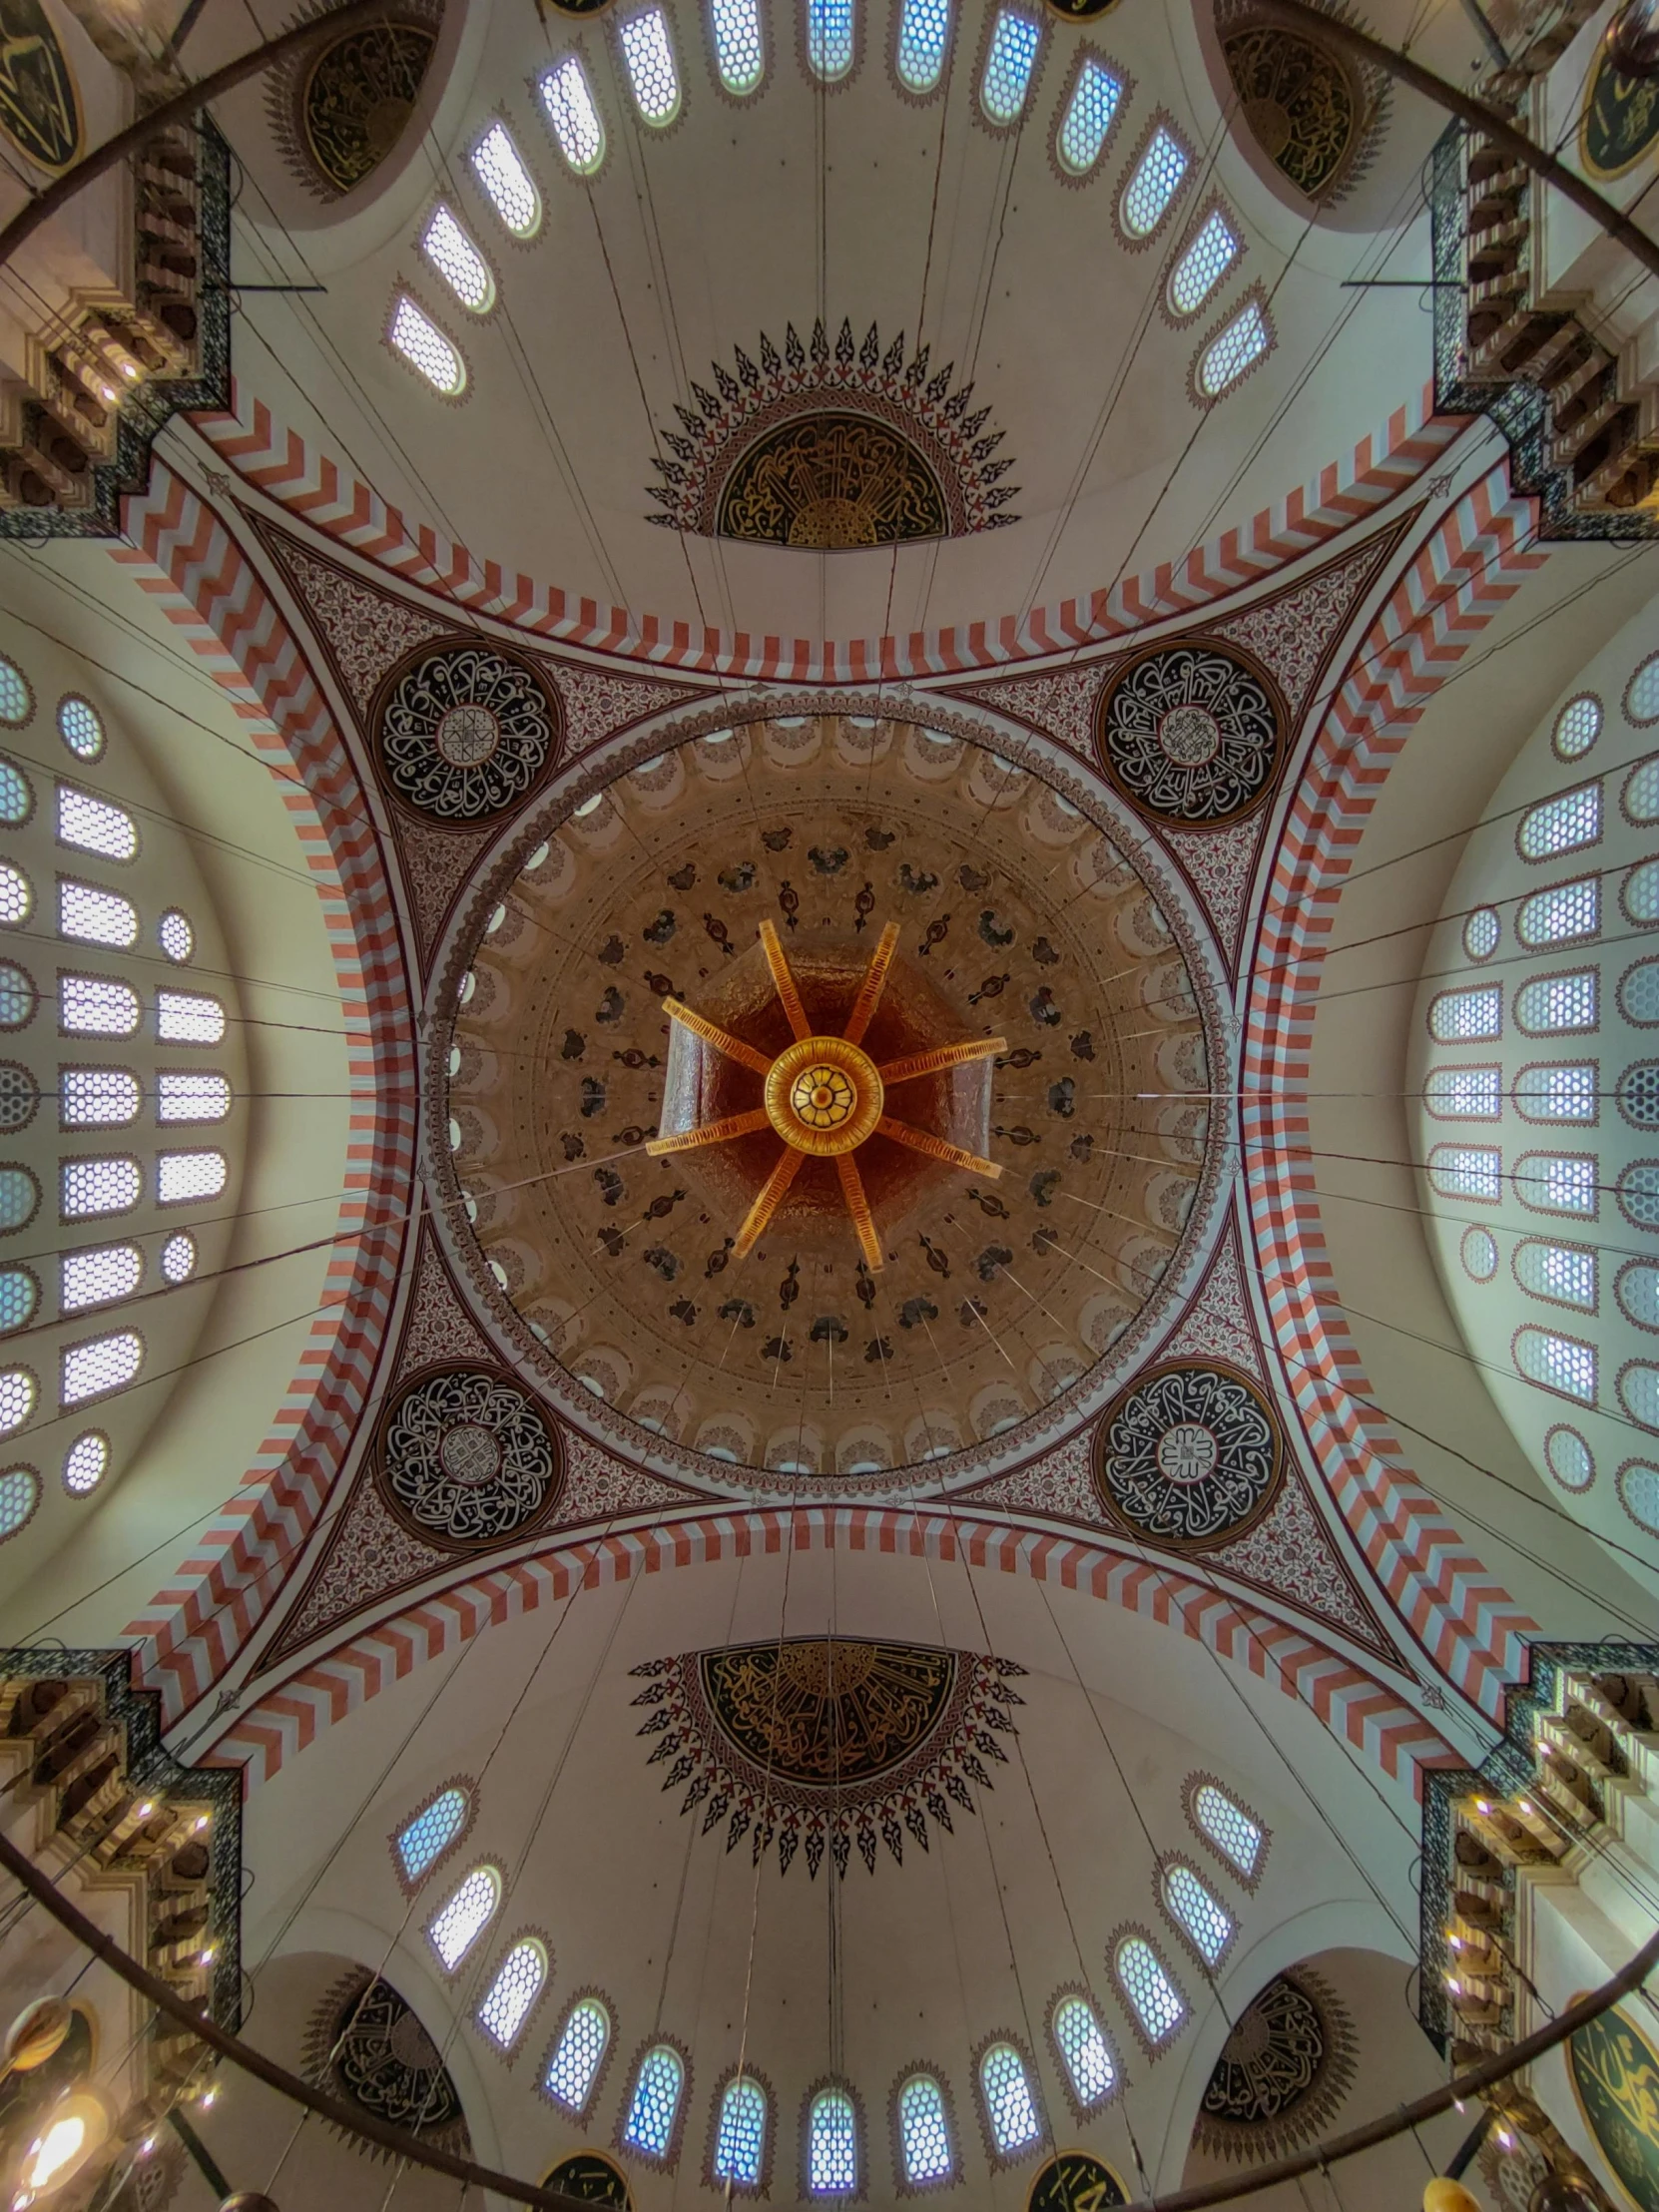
{"type": "Point", "coordinates": [1619, 122]}
{"type": "Point", "coordinates": [40, 109]}
{"type": "Point", "coordinates": [829, 481]}
{"type": "Point", "coordinates": [1615, 2077]}
{"type": "Point", "coordinates": [360, 93]}
{"type": "Point", "coordinates": [591, 2178]}
{"type": "Point", "coordinates": [1075, 2182]}
{"type": "Point", "coordinates": [822, 1709]}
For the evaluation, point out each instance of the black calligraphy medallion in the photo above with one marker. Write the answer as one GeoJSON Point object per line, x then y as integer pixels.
{"type": "Point", "coordinates": [1619, 122]}
{"type": "Point", "coordinates": [1189, 1456]}
{"type": "Point", "coordinates": [1194, 733]}
{"type": "Point", "coordinates": [40, 109]}
{"type": "Point", "coordinates": [591, 2177]}
{"type": "Point", "coordinates": [1282, 2072]}
{"type": "Point", "coordinates": [825, 1710]}
{"type": "Point", "coordinates": [1075, 2181]}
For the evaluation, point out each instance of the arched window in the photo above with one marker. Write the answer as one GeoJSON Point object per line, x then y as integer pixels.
{"type": "Point", "coordinates": [739, 54]}
{"type": "Point", "coordinates": [1228, 1828]}
{"type": "Point", "coordinates": [189, 1094]}
{"type": "Point", "coordinates": [1554, 1006]}
{"type": "Point", "coordinates": [413, 336]}
{"type": "Point", "coordinates": [1466, 1171]}
{"type": "Point", "coordinates": [1561, 915]}
{"type": "Point", "coordinates": [1457, 1017]}
{"type": "Point", "coordinates": [1153, 184]}
{"type": "Point", "coordinates": [188, 1017]}
{"type": "Point", "coordinates": [1010, 2109]}
{"type": "Point", "coordinates": [1236, 347]}
{"type": "Point", "coordinates": [654, 2109]}
{"type": "Point", "coordinates": [462, 1918]}
{"type": "Point", "coordinates": [573, 2068]}
{"type": "Point", "coordinates": [831, 40]}
{"type": "Point", "coordinates": [1090, 113]}
{"type": "Point", "coordinates": [1562, 1090]}
{"type": "Point", "coordinates": [1205, 1923]}
{"type": "Point", "coordinates": [17, 895]}
{"type": "Point", "coordinates": [1559, 1364]}
{"type": "Point", "coordinates": [97, 1098]}
{"type": "Point", "coordinates": [507, 2002]}
{"type": "Point", "coordinates": [1637, 1291]}
{"type": "Point", "coordinates": [1203, 263]}
{"type": "Point", "coordinates": [499, 169]}
{"type": "Point", "coordinates": [1640, 795]}
{"type": "Point", "coordinates": [1558, 1183]}
{"type": "Point", "coordinates": [923, 39]}
{"type": "Point", "coordinates": [1565, 1275]}
{"type": "Point", "coordinates": [88, 1188]}
{"type": "Point", "coordinates": [924, 2132]}
{"type": "Point", "coordinates": [740, 2135]}
{"type": "Point", "coordinates": [1151, 1995]}
{"type": "Point", "coordinates": [833, 2145]}
{"type": "Point", "coordinates": [1084, 2052]}
{"type": "Point", "coordinates": [653, 76]}
{"type": "Point", "coordinates": [1577, 727]}
{"type": "Point", "coordinates": [1009, 60]}
{"type": "Point", "coordinates": [95, 1006]}
{"type": "Point", "coordinates": [1466, 1094]}
{"type": "Point", "coordinates": [95, 917]}
{"type": "Point", "coordinates": [101, 1364]}
{"type": "Point", "coordinates": [1560, 824]}
{"type": "Point", "coordinates": [568, 104]}
{"type": "Point", "coordinates": [457, 260]}
{"type": "Point", "coordinates": [421, 1842]}
{"type": "Point", "coordinates": [94, 825]}
{"type": "Point", "coordinates": [182, 1176]}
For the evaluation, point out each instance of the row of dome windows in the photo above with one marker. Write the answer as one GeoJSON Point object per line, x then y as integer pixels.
{"type": "Point", "coordinates": [1082, 130]}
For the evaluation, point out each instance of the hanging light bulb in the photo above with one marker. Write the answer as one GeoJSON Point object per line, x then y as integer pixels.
{"type": "Point", "coordinates": [248, 2200]}
{"type": "Point", "coordinates": [74, 2128]}
{"type": "Point", "coordinates": [1442, 2194]}
{"type": "Point", "coordinates": [36, 2035]}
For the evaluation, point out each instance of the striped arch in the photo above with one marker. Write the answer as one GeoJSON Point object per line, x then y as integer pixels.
{"type": "Point", "coordinates": [1342, 1696]}
{"type": "Point", "coordinates": [180, 552]}
{"type": "Point", "coordinates": [279, 463]}
{"type": "Point", "coordinates": [1472, 564]}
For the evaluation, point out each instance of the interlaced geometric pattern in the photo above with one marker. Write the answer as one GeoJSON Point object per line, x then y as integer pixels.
{"type": "Point", "coordinates": [741, 2141]}
{"type": "Point", "coordinates": [1641, 696]}
{"type": "Point", "coordinates": [425, 1839]}
{"type": "Point", "coordinates": [88, 1371]}
{"type": "Point", "coordinates": [19, 1095]}
{"type": "Point", "coordinates": [457, 260]}
{"type": "Point", "coordinates": [657, 2089]}
{"type": "Point", "coordinates": [189, 1096]}
{"type": "Point", "coordinates": [89, 1187]}
{"type": "Point", "coordinates": [1229, 1827]}
{"type": "Point", "coordinates": [19, 1196]}
{"type": "Point", "coordinates": [1561, 824]}
{"type": "Point", "coordinates": [572, 116]}
{"type": "Point", "coordinates": [830, 44]}
{"type": "Point", "coordinates": [1084, 2049]}
{"type": "Point", "coordinates": [1641, 791]}
{"type": "Point", "coordinates": [1456, 1017]}
{"type": "Point", "coordinates": [1639, 994]}
{"type": "Point", "coordinates": [95, 917]}
{"type": "Point", "coordinates": [506, 181]}
{"type": "Point", "coordinates": [1565, 910]}
{"type": "Point", "coordinates": [923, 31]}
{"type": "Point", "coordinates": [188, 1017]}
{"type": "Point", "coordinates": [1577, 727]}
{"type": "Point", "coordinates": [19, 1296]}
{"type": "Point", "coordinates": [1557, 1183]}
{"type": "Point", "coordinates": [425, 346]}
{"type": "Point", "coordinates": [95, 1277]}
{"type": "Point", "coordinates": [1089, 115]}
{"type": "Point", "coordinates": [1156, 180]}
{"type": "Point", "coordinates": [736, 29]}
{"type": "Point", "coordinates": [97, 1098]}
{"type": "Point", "coordinates": [1639, 1193]}
{"type": "Point", "coordinates": [1157, 2002]}
{"type": "Point", "coordinates": [1639, 1094]}
{"type": "Point", "coordinates": [14, 694]}
{"type": "Point", "coordinates": [95, 825]}
{"type": "Point", "coordinates": [1559, 1364]}
{"type": "Point", "coordinates": [1555, 1272]}
{"type": "Point", "coordinates": [1550, 1006]}
{"type": "Point", "coordinates": [571, 2068]}
{"type": "Point", "coordinates": [81, 728]}
{"type": "Point", "coordinates": [1562, 1091]}
{"type": "Point", "coordinates": [17, 996]}
{"type": "Point", "coordinates": [179, 1257]}
{"type": "Point", "coordinates": [651, 76]}
{"type": "Point", "coordinates": [1204, 1921]}
{"type": "Point", "coordinates": [923, 2131]}
{"type": "Point", "coordinates": [1243, 341]}
{"type": "Point", "coordinates": [1466, 1171]}
{"type": "Point", "coordinates": [833, 2145]}
{"type": "Point", "coordinates": [17, 1399]}
{"type": "Point", "coordinates": [457, 1924]}
{"type": "Point", "coordinates": [506, 2002]}
{"type": "Point", "coordinates": [1203, 265]}
{"type": "Point", "coordinates": [1008, 2102]}
{"type": "Point", "coordinates": [17, 895]}
{"type": "Point", "coordinates": [16, 797]}
{"type": "Point", "coordinates": [1482, 933]}
{"type": "Point", "coordinates": [94, 1006]}
{"type": "Point", "coordinates": [1007, 77]}
{"type": "Point", "coordinates": [1638, 1293]}
{"type": "Point", "coordinates": [1639, 1393]}
{"type": "Point", "coordinates": [182, 1175]}
{"type": "Point", "coordinates": [85, 1462]}
{"type": "Point", "coordinates": [175, 935]}
{"type": "Point", "coordinates": [19, 1495]}
{"type": "Point", "coordinates": [1466, 1094]}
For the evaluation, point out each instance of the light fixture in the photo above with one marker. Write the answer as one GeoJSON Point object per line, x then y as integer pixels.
{"type": "Point", "coordinates": [75, 2129]}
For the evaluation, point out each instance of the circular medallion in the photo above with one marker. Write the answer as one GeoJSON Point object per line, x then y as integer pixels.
{"type": "Point", "coordinates": [1075, 2181]}
{"type": "Point", "coordinates": [823, 1096]}
{"type": "Point", "coordinates": [467, 1458]}
{"type": "Point", "coordinates": [1189, 1456]}
{"type": "Point", "coordinates": [358, 96]}
{"type": "Point", "coordinates": [1283, 2072]}
{"type": "Point", "coordinates": [591, 2176]}
{"type": "Point", "coordinates": [466, 733]}
{"type": "Point", "coordinates": [366, 2045]}
{"type": "Point", "coordinates": [1192, 733]}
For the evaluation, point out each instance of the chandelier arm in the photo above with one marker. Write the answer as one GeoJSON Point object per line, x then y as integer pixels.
{"type": "Point", "coordinates": [767, 1202]}
{"type": "Point", "coordinates": [858, 1206]}
{"type": "Point", "coordinates": [952, 1154]}
{"type": "Point", "coordinates": [711, 1132]}
{"type": "Point", "coordinates": [783, 982]}
{"type": "Point", "coordinates": [721, 1039]}
{"type": "Point", "coordinates": [874, 982]}
{"type": "Point", "coordinates": [940, 1057]}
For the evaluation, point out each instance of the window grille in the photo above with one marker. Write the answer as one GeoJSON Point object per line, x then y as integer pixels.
{"type": "Point", "coordinates": [1233, 350]}
{"type": "Point", "coordinates": [923, 2131]}
{"type": "Point", "coordinates": [106, 1364]}
{"type": "Point", "coordinates": [1564, 911]}
{"type": "Point", "coordinates": [91, 1187]}
{"type": "Point", "coordinates": [1154, 183]}
{"type": "Point", "coordinates": [1090, 114]}
{"type": "Point", "coordinates": [19, 1495]}
{"type": "Point", "coordinates": [1481, 931]}
{"type": "Point", "coordinates": [740, 2141]}
{"type": "Point", "coordinates": [1557, 1182]}
{"type": "Point", "coordinates": [1559, 1364]}
{"type": "Point", "coordinates": [17, 895]}
{"type": "Point", "coordinates": [188, 1017]}
{"type": "Point", "coordinates": [457, 260]}
{"type": "Point", "coordinates": [424, 345]}
{"type": "Point", "coordinates": [1637, 1290]}
{"type": "Point", "coordinates": [19, 1296]}
{"type": "Point", "coordinates": [656, 2101]}
{"type": "Point", "coordinates": [833, 2145]}
{"type": "Point", "coordinates": [1466, 1094]}
{"type": "Point", "coordinates": [1085, 2050]}
{"type": "Point", "coordinates": [1563, 1274]}
{"type": "Point", "coordinates": [1639, 1488]}
{"type": "Point", "coordinates": [575, 2062]}
{"type": "Point", "coordinates": [175, 935]}
{"type": "Point", "coordinates": [1203, 265]}
{"type": "Point", "coordinates": [923, 36]}
{"type": "Point", "coordinates": [1554, 1006]}
{"type": "Point", "coordinates": [95, 1277]}
{"type": "Point", "coordinates": [497, 165]}
{"type": "Point", "coordinates": [1008, 64]}
{"type": "Point", "coordinates": [1229, 1827]}
{"type": "Point", "coordinates": [95, 917]}
{"type": "Point", "coordinates": [572, 116]}
{"type": "Point", "coordinates": [829, 38]}
{"type": "Point", "coordinates": [15, 704]}
{"type": "Point", "coordinates": [739, 54]}
{"type": "Point", "coordinates": [1009, 2105]}
{"type": "Point", "coordinates": [80, 728]}
{"type": "Point", "coordinates": [1641, 694]}
{"type": "Point", "coordinates": [187, 1095]}
{"type": "Point", "coordinates": [1478, 1251]}
{"type": "Point", "coordinates": [1148, 1990]}
{"type": "Point", "coordinates": [505, 2005]}
{"type": "Point", "coordinates": [1466, 1171]}
{"type": "Point", "coordinates": [422, 1842]}
{"type": "Point", "coordinates": [1569, 1458]}
{"type": "Point", "coordinates": [1640, 894]}
{"type": "Point", "coordinates": [1577, 727]}
{"type": "Point", "coordinates": [1639, 1393]}
{"type": "Point", "coordinates": [18, 997]}
{"type": "Point", "coordinates": [1563, 1090]}
{"type": "Point", "coordinates": [17, 799]}
{"type": "Point", "coordinates": [1639, 1094]}
{"type": "Point", "coordinates": [95, 1006]}
{"type": "Point", "coordinates": [94, 825]}
{"type": "Point", "coordinates": [86, 1464]}
{"type": "Point", "coordinates": [97, 1098]}
{"type": "Point", "coordinates": [462, 1918]}
{"type": "Point", "coordinates": [182, 1175]}
{"type": "Point", "coordinates": [1457, 1017]}
{"type": "Point", "coordinates": [19, 1196]}
{"type": "Point", "coordinates": [1195, 1910]}
{"type": "Point", "coordinates": [18, 1392]}
{"type": "Point", "coordinates": [1561, 824]}
{"type": "Point", "coordinates": [1638, 994]}
{"type": "Point", "coordinates": [652, 75]}
{"type": "Point", "coordinates": [1639, 1193]}
{"type": "Point", "coordinates": [1641, 791]}
{"type": "Point", "coordinates": [179, 1257]}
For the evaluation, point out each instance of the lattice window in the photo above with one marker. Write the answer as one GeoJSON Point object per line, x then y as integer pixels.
{"type": "Point", "coordinates": [1008, 64]}
{"type": "Point", "coordinates": [86, 1462]}
{"type": "Point", "coordinates": [1085, 2050]}
{"type": "Point", "coordinates": [179, 1257]}
{"type": "Point", "coordinates": [187, 1095]}
{"type": "Point", "coordinates": [18, 997]}
{"type": "Point", "coordinates": [17, 799]}
{"type": "Point", "coordinates": [19, 1296]}
{"type": "Point", "coordinates": [175, 935]}
{"type": "Point", "coordinates": [1010, 2107]}
{"type": "Point", "coordinates": [464, 1916]}
{"type": "Point", "coordinates": [653, 77]}
{"type": "Point", "coordinates": [91, 1187]}
{"type": "Point", "coordinates": [1236, 347]}
{"type": "Point", "coordinates": [415, 334]}
{"type": "Point", "coordinates": [1641, 696]}
{"type": "Point", "coordinates": [1559, 1364]}
{"type": "Point", "coordinates": [924, 2132]}
{"type": "Point", "coordinates": [1641, 791]}
{"type": "Point", "coordinates": [1639, 1094]}
{"type": "Point", "coordinates": [1564, 911]}
{"type": "Point", "coordinates": [97, 1006]}
{"type": "Point", "coordinates": [739, 2140]}
{"type": "Point", "coordinates": [106, 1364]}
{"type": "Point", "coordinates": [1639, 1392]}
{"type": "Point", "coordinates": [457, 260]}
{"type": "Point", "coordinates": [656, 2101]}
{"type": "Point", "coordinates": [18, 1392]}
{"type": "Point", "coordinates": [182, 1176]}
{"type": "Point", "coordinates": [1191, 1906]}
{"type": "Point", "coordinates": [1481, 931]}
{"type": "Point", "coordinates": [923, 37]}
{"type": "Point", "coordinates": [1466, 1094]}
{"type": "Point", "coordinates": [17, 895]}
{"type": "Point", "coordinates": [1457, 1017]}
{"type": "Point", "coordinates": [94, 825]}
{"type": "Point", "coordinates": [506, 2004]}
{"type": "Point", "coordinates": [1577, 727]}
{"type": "Point", "coordinates": [95, 917]}
{"type": "Point", "coordinates": [19, 1495]}
{"type": "Point", "coordinates": [188, 1017]}
{"type": "Point", "coordinates": [1637, 1290]}
{"type": "Point", "coordinates": [571, 117]}
{"type": "Point", "coordinates": [98, 1276]}
{"type": "Point", "coordinates": [80, 728]}
{"type": "Point", "coordinates": [1557, 1182]}
{"type": "Point", "coordinates": [19, 1196]}
{"type": "Point", "coordinates": [1202, 264]}
{"type": "Point", "coordinates": [1154, 183]}
{"type": "Point", "coordinates": [740, 56]}
{"type": "Point", "coordinates": [499, 168]}
{"type": "Point", "coordinates": [1148, 1990]}
{"type": "Point", "coordinates": [1563, 1274]}
{"type": "Point", "coordinates": [1553, 1005]}
{"type": "Point", "coordinates": [1466, 1171]}
{"type": "Point", "coordinates": [830, 43]}
{"type": "Point", "coordinates": [575, 2062]}
{"type": "Point", "coordinates": [1229, 1827]}
{"type": "Point", "coordinates": [833, 2145]}
{"type": "Point", "coordinates": [422, 1842]}
{"type": "Point", "coordinates": [1639, 994]}
{"type": "Point", "coordinates": [1561, 1090]}
{"type": "Point", "coordinates": [97, 1098]}
{"type": "Point", "coordinates": [1560, 824]}
{"type": "Point", "coordinates": [16, 703]}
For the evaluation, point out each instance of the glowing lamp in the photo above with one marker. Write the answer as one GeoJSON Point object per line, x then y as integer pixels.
{"type": "Point", "coordinates": [73, 2131]}
{"type": "Point", "coordinates": [1442, 2195]}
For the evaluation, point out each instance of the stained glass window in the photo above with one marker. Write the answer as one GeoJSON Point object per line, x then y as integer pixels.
{"type": "Point", "coordinates": [739, 2140]}
{"type": "Point", "coordinates": [424, 345]}
{"type": "Point", "coordinates": [830, 40]}
{"type": "Point", "coordinates": [1146, 1984]}
{"type": "Point", "coordinates": [90, 1187]}
{"type": "Point", "coordinates": [1561, 824]}
{"type": "Point", "coordinates": [1641, 791]}
{"type": "Point", "coordinates": [1090, 114]}
{"type": "Point", "coordinates": [1559, 1364]}
{"type": "Point", "coordinates": [1229, 1827]}
{"type": "Point", "coordinates": [94, 825]}
{"type": "Point", "coordinates": [1008, 63]}
{"type": "Point", "coordinates": [97, 1098]}
{"type": "Point", "coordinates": [575, 2061]}
{"type": "Point", "coordinates": [1577, 727]}
{"type": "Point", "coordinates": [1563, 1090]}
{"type": "Point", "coordinates": [98, 1274]}
{"type": "Point", "coordinates": [182, 1175]}
{"type": "Point", "coordinates": [188, 1017]}
{"type": "Point", "coordinates": [1564, 911]}
{"type": "Point", "coordinates": [505, 2005]}
{"type": "Point", "coordinates": [1235, 346]}
{"type": "Point", "coordinates": [1563, 1274]}
{"type": "Point", "coordinates": [106, 1364]}
{"type": "Point", "coordinates": [86, 1462]}
{"type": "Point", "coordinates": [499, 167]}
{"type": "Point", "coordinates": [571, 117]}
{"type": "Point", "coordinates": [80, 728]}
{"type": "Point", "coordinates": [923, 36]}
{"type": "Point", "coordinates": [1552, 1005]}
{"type": "Point", "coordinates": [1466, 1171]}
{"type": "Point", "coordinates": [739, 54]}
{"type": "Point", "coordinates": [833, 2145]}
{"type": "Point", "coordinates": [1009, 2105]}
{"type": "Point", "coordinates": [1639, 994]}
{"type": "Point", "coordinates": [656, 2101]}
{"type": "Point", "coordinates": [97, 1006]}
{"type": "Point", "coordinates": [652, 75]}
{"type": "Point", "coordinates": [17, 895]}
{"type": "Point", "coordinates": [462, 1918]}
{"type": "Point", "coordinates": [1557, 1182]}
{"type": "Point", "coordinates": [923, 2131]}
{"type": "Point", "coordinates": [1466, 1094]}
{"type": "Point", "coordinates": [422, 1842]}
{"type": "Point", "coordinates": [1208, 1923]}
{"type": "Point", "coordinates": [95, 917]}
{"type": "Point", "coordinates": [1085, 2050]}
{"type": "Point", "coordinates": [19, 1495]}
{"type": "Point", "coordinates": [1202, 264]}
{"type": "Point", "coordinates": [189, 1095]}
{"type": "Point", "coordinates": [457, 260]}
